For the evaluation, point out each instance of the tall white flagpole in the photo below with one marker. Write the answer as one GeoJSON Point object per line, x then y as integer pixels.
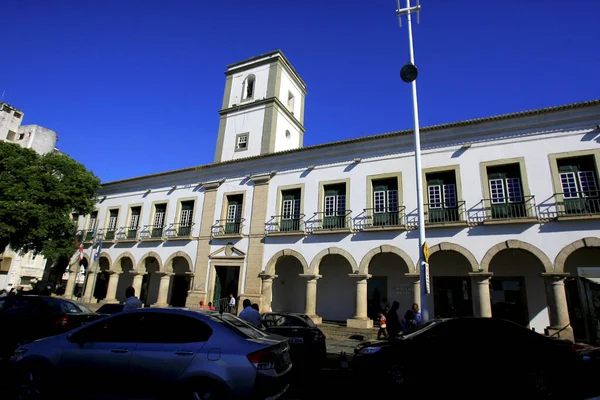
{"type": "Point", "coordinates": [409, 74]}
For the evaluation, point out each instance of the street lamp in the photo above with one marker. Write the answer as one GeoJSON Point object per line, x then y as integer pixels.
{"type": "Point", "coordinates": [409, 74]}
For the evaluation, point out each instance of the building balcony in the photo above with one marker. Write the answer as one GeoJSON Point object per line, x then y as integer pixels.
{"type": "Point", "coordinates": [281, 225]}
{"type": "Point", "coordinates": [228, 228]}
{"type": "Point", "coordinates": [127, 234]}
{"type": "Point", "coordinates": [107, 235]}
{"type": "Point", "coordinates": [445, 214]}
{"type": "Point", "coordinates": [577, 205]}
{"type": "Point", "coordinates": [509, 210]}
{"type": "Point", "coordinates": [179, 231]}
{"type": "Point", "coordinates": [320, 223]}
{"type": "Point", "coordinates": [152, 233]}
{"type": "Point", "coordinates": [383, 218]}
{"type": "Point", "coordinates": [89, 235]}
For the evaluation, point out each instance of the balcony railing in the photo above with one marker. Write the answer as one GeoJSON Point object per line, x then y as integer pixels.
{"type": "Point", "coordinates": [150, 232]}
{"type": "Point", "coordinates": [89, 235]}
{"type": "Point", "coordinates": [107, 234]}
{"type": "Point", "coordinates": [381, 217]}
{"type": "Point", "coordinates": [444, 213]}
{"type": "Point", "coordinates": [510, 208]}
{"type": "Point", "coordinates": [573, 204]}
{"type": "Point", "coordinates": [126, 233]}
{"type": "Point", "coordinates": [228, 227]}
{"type": "Point", "coordinates": [179, 230]}
{"type": "Point", "coordinates": [322, 222]}
{"type": "Point", "coordinates": [282, 224]}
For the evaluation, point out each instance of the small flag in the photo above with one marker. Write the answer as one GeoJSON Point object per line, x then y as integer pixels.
{"type": "Point", "coordinates": [97, 254]}
{"type": "Point", "coordinates": [81, 250]}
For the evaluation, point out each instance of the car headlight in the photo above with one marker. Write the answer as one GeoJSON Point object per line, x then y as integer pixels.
{"type": "Point", "coordinates": [369, 350]}
{"type": "Point", "coordinates": [19, 354]}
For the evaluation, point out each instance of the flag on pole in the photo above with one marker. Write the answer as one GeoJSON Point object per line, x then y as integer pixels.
{"type": "Point", "coordinates": [81, 250]}
{"type": "Point", "coordinates": [98, 248]}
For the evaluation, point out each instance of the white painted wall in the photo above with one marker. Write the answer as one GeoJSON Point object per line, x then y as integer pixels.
{"type": "Point", "coordinates": [260, 85]}
{"type": "Point", "coordinates": [246, 121]}
{"type": "Point", "coordinates": [288, 85]}
{"type": "Point", "coordinates": [282, 141]}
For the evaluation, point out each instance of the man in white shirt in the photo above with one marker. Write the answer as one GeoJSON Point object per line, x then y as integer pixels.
{"type": "Point", "coordinates": [132, 302]}
{"type": "Point", "coordinates": [250, 315]}
{"type": "Point", "coordinates": [231, 304]}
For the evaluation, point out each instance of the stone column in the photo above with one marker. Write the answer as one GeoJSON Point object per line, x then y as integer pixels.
{"type": "Point", "coordinates": [111, 291]}
{"type": "Point", "coordinates": [267, 292]}
{"type": "Point", "coordinates": [163, 290]}
{"type": "Point", "coordinates": [416, 286]}
{"type": "Point", "coordinates": [480, 290]}
{"type": "Point", "coordinates": [90, 282]}
{"type": "Point", "coordinates": [311, 298]}
{"type": "Point", "coordinates": [360, 320]}
{"type": "Point", "coordinates": [138, 278]}
{"type": "Point", "coordinates": [560, 323]}
{"type": "Point", "coordinates": [73, 272]}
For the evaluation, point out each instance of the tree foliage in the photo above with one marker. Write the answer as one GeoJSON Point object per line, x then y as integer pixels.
{"type": "Point", "coordinates": [37, 195]}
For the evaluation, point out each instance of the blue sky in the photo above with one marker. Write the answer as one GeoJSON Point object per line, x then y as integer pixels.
{"type": "Point", "coordinates": [133, 86]}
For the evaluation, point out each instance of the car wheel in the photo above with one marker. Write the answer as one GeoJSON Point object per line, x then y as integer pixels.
{"type": "Point", "coordinates": [205, 390]}
{"type": "Point", "coordinates": [32, 383]}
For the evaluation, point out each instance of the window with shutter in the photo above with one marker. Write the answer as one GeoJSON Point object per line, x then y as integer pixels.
{"type": "Point", "coordinates": [506, 192]}
{"type": "Point", "coordinates": [580, 189]}
{"type": "Point", "coordinates": [335, 206]}
{"type": "Point", "coordinates": [385, 202]}
{"type": "Point", "coordinates": [290, 210]}
{"type": "Point", "coordinates": [234, 214]}
{"type": "Point", "coordinates": [443, 200]}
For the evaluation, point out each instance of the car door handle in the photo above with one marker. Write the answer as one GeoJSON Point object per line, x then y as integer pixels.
{"type": "Point", "coordinates": [184, 353]}
{"type": "Point", "coordinates": [119, 350]}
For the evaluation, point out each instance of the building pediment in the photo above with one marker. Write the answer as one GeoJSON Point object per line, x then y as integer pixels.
{"type": "Point", "coordinates": [227, 252]}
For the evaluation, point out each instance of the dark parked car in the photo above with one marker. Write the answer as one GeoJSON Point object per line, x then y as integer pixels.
{"type": "Point", "coordinates": [109, 309]}
{"type": "Point", "coordinates": [25, 318]}
{"type": "Point", "coordinates": [468, 356]}
{"type": "Point", "coordinates": [155, 353]}
{"type": "Point", "coordinates": [307, 342]}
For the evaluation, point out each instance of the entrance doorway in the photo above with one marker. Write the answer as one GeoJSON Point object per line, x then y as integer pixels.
{"type": "Point", "coordinates": [226, 283]}
{"type": "Point", "coordinates": [509, 299]}
{"type": "Point", "coordinates": [376, 295]}
{"type": "Point", "coordinates": [179, 291]}
{"type": "Point", "coordinates": [452, 296]}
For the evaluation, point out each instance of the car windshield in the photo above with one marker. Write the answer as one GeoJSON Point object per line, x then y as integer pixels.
{"type": "Point", "coordinates": [84, 308]}
{"type": "Point", "coordinates": [239, 326]}
{"type": "Point", "coordinates": [425, 327]}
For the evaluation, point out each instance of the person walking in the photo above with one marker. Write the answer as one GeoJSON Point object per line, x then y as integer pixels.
{"type": "Point", "coordinates": [392, 320]}
{"type": "Point", "coordinates": [382, 325]}
{"type": "Point", "coordinates": [132, 302]}
{"type": "Point", "coordinates": [250, 315]}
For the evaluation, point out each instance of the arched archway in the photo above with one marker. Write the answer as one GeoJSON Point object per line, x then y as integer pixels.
{"type": "Point", "coordinates": [125, 263]}
{"type": "Point", "coordinates": [180, 265]}
{"type": "Point", "coordinates": [518, 290]}
{"type": "Point", "coordinates": [581, 260]}
{"type": "Point", "coordinates": [289, 288]}
{"type": "Point", "coordinates": [108, 259]}
{"type": "Point", "coordinates": [151, 265]}
{"type": "Point", "coordinates": [388, 266]}
{"type": "Point", "coordinates": [270, 268]}
{"type": "Point", "coordinates": [336, 291]}
{"type": "Point", "coordinates": [449, 268]}
{"type": "Point", "coordinates": [316, 262]}
{"type": "Point", "coordinates": [102, 277]}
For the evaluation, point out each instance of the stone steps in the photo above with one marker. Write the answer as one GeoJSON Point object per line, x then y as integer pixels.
{"type": "Point", "coordinates": [342, 332]}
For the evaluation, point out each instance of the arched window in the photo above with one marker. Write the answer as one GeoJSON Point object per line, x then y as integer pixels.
{"type": "Point", "coordinates": [248, 90]}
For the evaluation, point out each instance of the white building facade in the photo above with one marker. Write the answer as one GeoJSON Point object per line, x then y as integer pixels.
{"type": "Point", "coordinates": [512, 209]}
{"type": "Point", "coordinates": [22, 270]}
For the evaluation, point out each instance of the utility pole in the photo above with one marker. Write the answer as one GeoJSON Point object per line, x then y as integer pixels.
{"type": "Point", "coordinates": [409, 74]}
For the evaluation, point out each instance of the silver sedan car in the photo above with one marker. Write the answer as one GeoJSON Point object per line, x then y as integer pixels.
{"type": "Point", "coordinates": [156, 353]}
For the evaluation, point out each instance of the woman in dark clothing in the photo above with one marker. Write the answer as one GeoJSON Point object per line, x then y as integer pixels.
{"type": "Point", "coordinates": [393, 322]}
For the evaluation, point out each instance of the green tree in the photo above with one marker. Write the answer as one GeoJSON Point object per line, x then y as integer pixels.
{"type": "Point", "coordinates": [37, 194]}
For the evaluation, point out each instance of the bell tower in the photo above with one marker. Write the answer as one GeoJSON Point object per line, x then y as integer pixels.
{"type": "Point", "coordinates": [263, 108]}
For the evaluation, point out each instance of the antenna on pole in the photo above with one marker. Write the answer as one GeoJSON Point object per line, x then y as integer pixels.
{"type": "Point", "coordinates": [408, 10]}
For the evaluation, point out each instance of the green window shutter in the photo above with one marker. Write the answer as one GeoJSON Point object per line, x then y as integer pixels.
{"type": "Point", "coordinates": [187, 206]}
{"type": "Point", "coordinates": [568, 168]}
{"type": "Point", "coordinates": [332, 191]}
{"type": "Point", "coordinates": [380, 187]}
{"type": "Point", "coordinates": [497, 175]}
